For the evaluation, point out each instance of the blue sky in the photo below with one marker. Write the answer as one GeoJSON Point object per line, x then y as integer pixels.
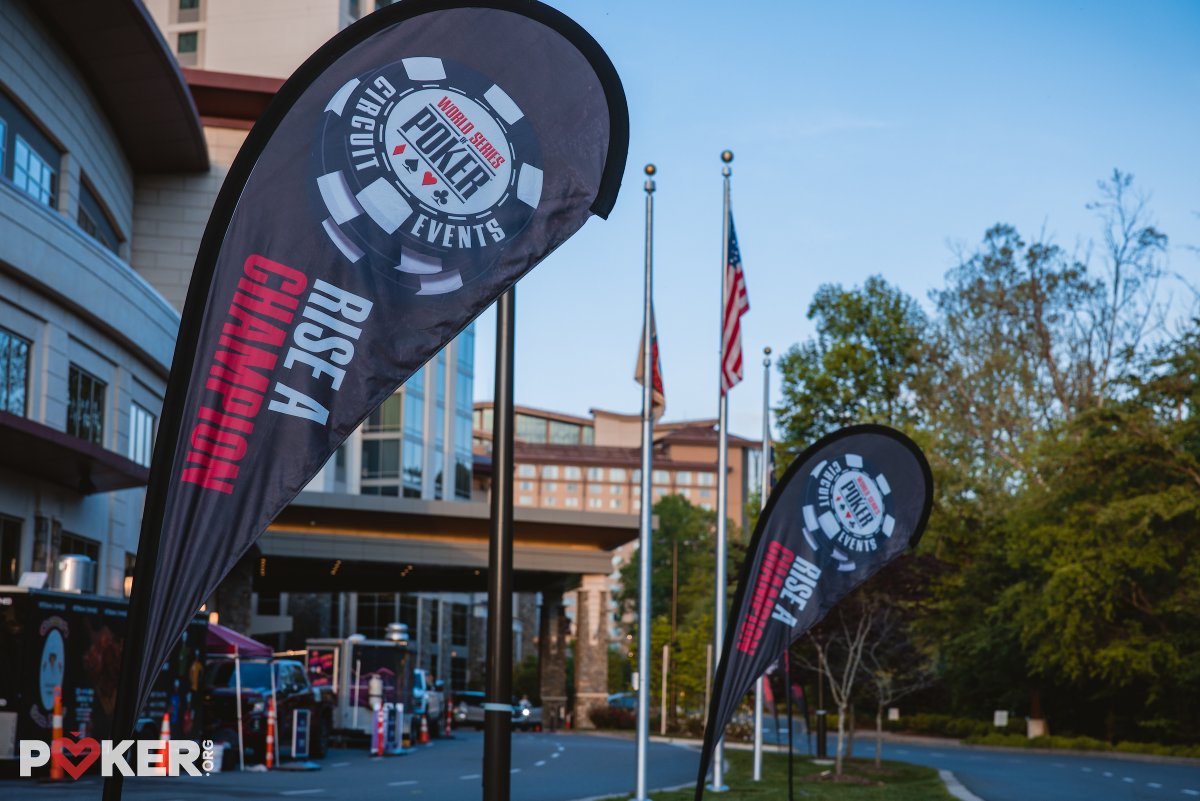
{"type": "Point", "coordinates": [869, 138]}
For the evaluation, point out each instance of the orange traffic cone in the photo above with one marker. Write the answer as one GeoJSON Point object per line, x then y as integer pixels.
{"type": "Point", "coordinates": [379, 718]}
{"type": "Point", "coordinates": [270, 757]}
{"type": "Point", "coordinates": [164, 733]}
{"type": "Point", "coordinates": [423, 737]}
{"type": "Point", "coordinates": [56, 733]}
{"type": "Point", "coordinates": [447, 715]}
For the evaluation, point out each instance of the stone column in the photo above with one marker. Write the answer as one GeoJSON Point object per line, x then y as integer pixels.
{"type": "Point", "coordinates": [553, 628]}
{"type": "Point", "coordinates": [591, 648]}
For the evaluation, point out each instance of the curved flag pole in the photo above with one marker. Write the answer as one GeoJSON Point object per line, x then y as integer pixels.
{"type": "Point", "coordinates": [193, 533]}
{"type": "Point", "coordinates": [850, 504]}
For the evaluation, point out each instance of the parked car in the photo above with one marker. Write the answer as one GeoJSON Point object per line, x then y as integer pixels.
{"type": "Point", "coordinates": [623, 701]}
{"type": "Point", "coordinates": [292, 692]}
{"type": "Point", "coordinates": [468, 711]}
{"type": "Point", "coordinates": [427, 700]}
{"type": "Point", "coordinates": [468, 708]}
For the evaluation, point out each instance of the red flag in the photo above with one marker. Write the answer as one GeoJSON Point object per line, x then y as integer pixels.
{"type": "Point", "coordinates": [658, 400]}
{"type": "Point", "coordinates": [736, 304]}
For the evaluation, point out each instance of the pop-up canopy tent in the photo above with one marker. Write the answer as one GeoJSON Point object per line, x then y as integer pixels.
{"type": "Point", "coordinates": [227, 642]}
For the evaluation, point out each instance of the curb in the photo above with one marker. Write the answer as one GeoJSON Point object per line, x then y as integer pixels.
{"type": "Point", "coordinates": [955, 787]}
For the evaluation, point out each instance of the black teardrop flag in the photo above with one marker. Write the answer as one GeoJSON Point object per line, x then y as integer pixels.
{"type": "Point", "coordinates": [849, 505]}
{"type": "Point", "coordinates": [402, 179]}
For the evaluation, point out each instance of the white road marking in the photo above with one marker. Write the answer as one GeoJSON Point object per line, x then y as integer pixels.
{"type": "Point", "coordinates": [1191, 792]}
{"type": "Point", "coordinates": [403, 784]}
{"type": "Point", "coordinates": [470, 776]}
{"type": "Point", "coordinates": [561, 749]}
{"type": "Point", "coordinates": [1108, 774]}
{"type": "Point", "coordinates": [1086, 770]}
{"type": "Point", "coordinates": [312, 791]}
{"type": "Point", "coordinates": [1155, 785]}
{"type": "Point", "coordinates": [539, 763]}
{"type": "Point", "coordinates": [1058, 764]}
{"type": "Point", "coordinates": [1127, 779]}
{"type": "Point", "coordinates": [515, 770]}
{"type": "Point", "coordinates": [340, 765]}
{"type": "Point", "coordinates": [554, 756]}
{"type": "Point", "coordinates": [956, 788]}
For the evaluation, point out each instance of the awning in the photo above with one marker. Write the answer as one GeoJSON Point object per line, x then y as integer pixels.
{"type": "Point", "coordinates": [43, 452]}
{"type": "Point", "coordinates": [222, 640]}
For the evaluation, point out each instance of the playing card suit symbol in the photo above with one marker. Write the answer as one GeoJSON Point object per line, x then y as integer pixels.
{"type": "Point", "coordinates": [442, 196]}
{"type": "Point", "coordinates": [399, 149]}
{"type": "Point", "coordinates": [411, 165]}
{"type": "Point", "coordinates": [428, 179]}
{"type": "Point", "coordinates": [86, 751]}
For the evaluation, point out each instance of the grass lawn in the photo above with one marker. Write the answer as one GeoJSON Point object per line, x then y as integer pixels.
{"type": "Point", "coordinates": [895, 781]}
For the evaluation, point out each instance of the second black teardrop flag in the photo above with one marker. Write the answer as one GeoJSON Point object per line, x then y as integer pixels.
{"type": "Point", "coordinates": [850, 504]}
{"type": "Point", "coordinates": [410, 172]}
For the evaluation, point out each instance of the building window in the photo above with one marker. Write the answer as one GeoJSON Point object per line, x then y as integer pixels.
{"type": "Point", "coordinates": [706, 479]}
{"type": "Point", "coordinates": [386, 417]}
{"type": "Point", "coordinates": [526, 486]}
{"type": "Point", "coordinates": [617, 474]}
{"type": "Point", "coordinates": [572, 502]}
{"type": "Point", "coordinates": [187, 42]}
{"type": "Point", "coordinates": [32, 173]}
{"type": "Point", "coordinates": [10, 549]}
{"type": "Point", "coordinates": [414, 453]}
{"type": "Point", "coordinates": [189, 5]}
{"type": "Point", "coordinates": [615, 503]}
{"type": "Point", "coordinates": [14, 372]}
{"type": "Point", "coordinates": [683, 478]}
{"type": "Point", "coordinates": [595, 474]}
{"type": "Point", "coordinates": [550, 471]}
{"type": "Point", "coordinates": [435, 621]}
{"type": "Point", "coordinates": [75, 544]}
{"type": "Point", "coordinates": [595, 503]}
{"type": "Point", "coordinates": [94, 221]}
{"type": "Point", "coordinates": [549, 486]}
{"type": "Point", "coordinates": [530, 429]}
{"type": "Point", "coordinates": [141, 435]}
{"type": "Point", "coordinates": [525, 500]}
{"type": "Point", "coordinates": [374, 611]}
{"type": "Point", "coordinates": [662, 477]}
{"type": "Point", "coordinates": [526, 471]}
{"type": "Point", "coordinates": [381, 458]}
{"type": "Point", "coordinates": [564, 433]}
{"type": "Point", "coordinates": [458, 672]}
{"type": "Point", "coordinates": [615, 489]}
{"type": "Point", "coordinates": [572, 473]}
{"type": "Point", "coordinates": [458, 623]}
{"type": "Point", "coordinates": [85, 406]}
{"type": "Point", "coordinates": [572, 488]}
{"type": "Point", "coordinates": [550, 501]}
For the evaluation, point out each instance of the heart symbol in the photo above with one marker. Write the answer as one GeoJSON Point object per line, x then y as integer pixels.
{"type": "Point", "coordinates": [428, 179]}
{"type": "Point", "coordinates": [86, 751]}
{"type": "Point", "coordinates": [399, 149]}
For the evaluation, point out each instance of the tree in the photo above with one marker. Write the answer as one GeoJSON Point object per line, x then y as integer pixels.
{"type": "Point", "coordinates": [859, 368]}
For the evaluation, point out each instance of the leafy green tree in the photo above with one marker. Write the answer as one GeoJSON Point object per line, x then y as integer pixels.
{"type": "Point", "coordinates": [860, 367]}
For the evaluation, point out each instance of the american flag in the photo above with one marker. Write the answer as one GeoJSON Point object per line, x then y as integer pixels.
{"type": "Point", "coordinates": [658, 399]}
{"type": "Point", "coordinates": [736, 304]}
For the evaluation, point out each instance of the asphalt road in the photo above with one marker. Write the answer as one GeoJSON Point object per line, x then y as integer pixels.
{"type": "Point", "coordinates": [1047, 776]}
{"type": "Point", "coordinates": [545, 767]}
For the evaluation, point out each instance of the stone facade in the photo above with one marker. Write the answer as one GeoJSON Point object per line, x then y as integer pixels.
{"type": "Point", "coordinates": [591, 648]}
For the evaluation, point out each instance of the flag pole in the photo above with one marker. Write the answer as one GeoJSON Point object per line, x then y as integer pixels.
{"type": "Point", "coordinates": [643, 647]}
{"type": "Point", "coordinates": [718, 784]}
{"type": "Point", "coordinates": [497, 709]}
{"type": "Point", "coordinates": [764, 490]}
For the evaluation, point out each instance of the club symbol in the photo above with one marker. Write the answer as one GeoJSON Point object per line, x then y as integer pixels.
{"type": "Point", "coordinates": [442, 196]}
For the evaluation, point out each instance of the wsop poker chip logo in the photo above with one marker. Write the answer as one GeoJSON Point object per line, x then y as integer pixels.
{"type": "Point", "coordinates": [847, 507]}
{"type": "Point", "coordinates": [427, 169]}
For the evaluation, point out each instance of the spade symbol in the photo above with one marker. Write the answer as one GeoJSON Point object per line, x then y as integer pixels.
{"type": "Point", "coordinates": [411, 165]}
{"type": "Point", "coordinates": [442, 196]}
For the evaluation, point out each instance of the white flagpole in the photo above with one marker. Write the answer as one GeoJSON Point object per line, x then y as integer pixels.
{"type": "Point", "coordinates": [763, 491]}
{"type": "Point", "coordinates": [643, 648]}
{"type": "Point", "coordinates": [718, 785]}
